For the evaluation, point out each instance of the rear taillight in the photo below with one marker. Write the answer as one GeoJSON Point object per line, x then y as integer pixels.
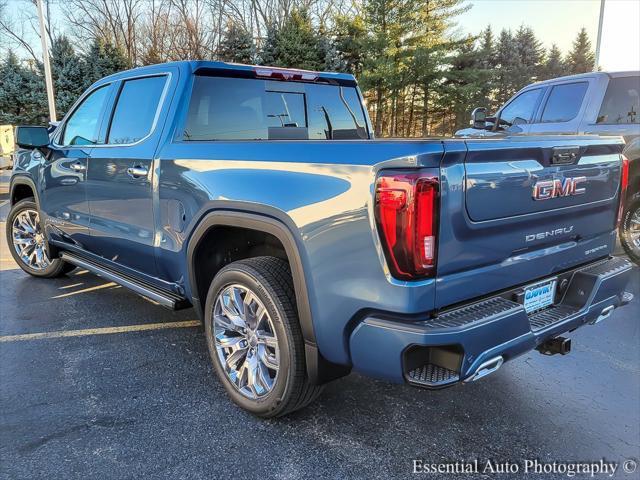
{"type": "Point", "coordinates": [406, 208]}
{"type": "Point", "coordinates": [624, 183]}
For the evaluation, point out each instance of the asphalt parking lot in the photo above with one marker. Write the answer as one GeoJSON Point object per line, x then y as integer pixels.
{"type": "Point", "coordinates": [125, 402]}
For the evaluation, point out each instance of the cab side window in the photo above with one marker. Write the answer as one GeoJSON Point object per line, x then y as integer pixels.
{"type": "Point", "coordinates": [621, 104]}
{"type": "Point", "coordinates": [83, 126]}
{"type": "Point", "coordinates": [520, 111]}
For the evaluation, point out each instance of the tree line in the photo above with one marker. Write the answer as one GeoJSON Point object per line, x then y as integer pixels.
{"type": "Point", "coordinates": [418, 76]}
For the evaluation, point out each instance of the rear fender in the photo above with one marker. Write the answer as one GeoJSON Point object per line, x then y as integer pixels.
{"type": "Point", "coordinates": [318, 369]}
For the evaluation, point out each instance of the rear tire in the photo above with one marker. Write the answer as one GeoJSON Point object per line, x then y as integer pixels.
{"type": "Point", "coordinates": [27, 243]}
{"type": "Point", "coordinates": [256, 291]}
{"type": "Point", "coordinates": [630, 230]}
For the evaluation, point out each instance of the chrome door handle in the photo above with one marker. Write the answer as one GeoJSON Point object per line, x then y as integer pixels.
{"type": "Point", "coordinates": [138, 171]}
{"type": "Point", "coordinates": [78, 167]}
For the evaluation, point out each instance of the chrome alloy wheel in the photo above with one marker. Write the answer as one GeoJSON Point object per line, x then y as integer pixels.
{"type": "Point", "coordinates": [245, 341]}
{"type": "Point", "coordinates": [28, 239]}
{"type": "Point", "coordinates": [634, 228]}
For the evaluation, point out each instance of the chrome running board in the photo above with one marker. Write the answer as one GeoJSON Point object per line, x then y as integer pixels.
{"type": "Point", "coordinates": [161, 297]}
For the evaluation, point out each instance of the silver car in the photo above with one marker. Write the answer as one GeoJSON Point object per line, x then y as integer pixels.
{"type": "Point", "coordinates": [596, 103]}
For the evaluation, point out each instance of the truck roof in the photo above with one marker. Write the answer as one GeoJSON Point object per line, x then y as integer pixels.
{"type": "Point", "coordinates": [588, 75]}
{"type": "Point", "coordinates": [193, 66]}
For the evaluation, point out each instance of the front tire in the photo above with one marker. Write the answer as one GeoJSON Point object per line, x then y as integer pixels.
{"type": "Point", "coordinates": [27, 243]}
{"type": "Point", "coordinates": [630, 230]}
{"type": "Point", "coordinates": [254, 337]}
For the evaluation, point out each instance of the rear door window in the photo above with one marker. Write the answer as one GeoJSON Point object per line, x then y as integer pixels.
{"type": "Point", "coordinates": [621, 104]}
{"type": "Point", "coordinates": [136, 109]}
{"type": "Point", "coordinates": [224, 108]}
{"type": "Point", "coordinates": [521, 109]}
{"type": "Point", "coordinates": [564, 102]}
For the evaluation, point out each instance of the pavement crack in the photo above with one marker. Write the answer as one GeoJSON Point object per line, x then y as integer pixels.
{"type": "Point", "coordinates": [101, 422]}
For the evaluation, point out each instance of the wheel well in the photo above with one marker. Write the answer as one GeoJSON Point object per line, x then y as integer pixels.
{"type": "Point", "coordinates": [224, 244]}
{"type": "Point", "coordinates": [219, 241]}
{"type": "Point", "coordinates": [20, 192]}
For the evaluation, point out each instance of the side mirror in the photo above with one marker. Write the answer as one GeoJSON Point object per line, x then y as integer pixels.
{"type": "Point", "coordinates": [32, 137]}
{"type": "Point", "coordinates": [479, 118]}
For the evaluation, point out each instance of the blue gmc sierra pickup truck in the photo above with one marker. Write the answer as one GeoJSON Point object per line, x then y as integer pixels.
{"type": "Point", "coordinates": [259, 196]}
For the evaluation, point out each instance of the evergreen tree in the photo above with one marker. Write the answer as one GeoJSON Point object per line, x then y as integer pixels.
{"type": "Point", "coordinates": [102, 59]}
{"type": "Point", "coordinates": [332, 61]}
{"type": "Point", "coordinates": [381, 20]}
{"type": "Point", "coordinates": [22, 93]}
{"type": "Point", "coordinates": [530, 54]}
{"type": "Point", "coordinates": [487, 50]}
{"type": "Point", "coordinates": [237, 45]}
{"type": "Point", "coordinates": [429, 67]}
{"type": "Point", "coordinates": [297, 45]}
{"type": "Point", "coordinates": [349, 34]}
{"type": "Point", "coordinates": [417, 78]}
{"type": "Point", "coordinates": [11, 90]}
{"type": "Point", "coordinates": [581, 58]}
{"type": "Point", "coordinates": [507, 61]}
{"type": "Point", "coordinates": [68, 74]}
{"type": "Point", "coordinates": [465, 83]}
{"type": "Point", "coordinates": [268, 51]}
{"type": "Point", "coordinates": [486, 64]}
{"type": "Point", "coordinates": [431, 22]}
{"type": "Point", "coordinates": [553, 66]}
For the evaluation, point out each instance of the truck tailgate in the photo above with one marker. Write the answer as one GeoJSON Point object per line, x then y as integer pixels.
{"type": "Point", "coordinates": [500, 184]}
{"type": "Point", "coordinates": [520, 209]}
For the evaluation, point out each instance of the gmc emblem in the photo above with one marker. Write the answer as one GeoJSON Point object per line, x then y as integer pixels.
{"type": "Point", "coordinates": [558, 188]}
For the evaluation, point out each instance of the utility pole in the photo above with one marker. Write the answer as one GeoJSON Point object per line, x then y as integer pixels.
{"type": "Point", "coordinates": [599, 40]}
{"type": "Point", "coordinates": [47, 67]}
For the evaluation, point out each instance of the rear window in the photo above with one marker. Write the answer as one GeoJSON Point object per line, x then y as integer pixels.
{"type": "Point", "coordinates": [564, 102]}
{"type": "Point", "coordinates": [249, 109]}
{"type": "Point", "coordinates": [621, 102]}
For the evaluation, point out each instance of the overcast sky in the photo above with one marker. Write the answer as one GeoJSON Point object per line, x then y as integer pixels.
{"type": "Point", "coordinates": [554, 21]}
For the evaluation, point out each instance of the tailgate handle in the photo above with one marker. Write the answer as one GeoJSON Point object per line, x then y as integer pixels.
{"type": "Point", "coordinates": [565, 155]}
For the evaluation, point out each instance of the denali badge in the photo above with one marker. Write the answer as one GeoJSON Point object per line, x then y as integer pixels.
{"type": "Point", "coordinates": [550, 233]}
{"type": "Point", "coordinates": [558, 188]}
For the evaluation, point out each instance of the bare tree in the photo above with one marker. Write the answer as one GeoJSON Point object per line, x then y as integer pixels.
{"type": "Point", "coordinates": [20, 30]}
{"type": "Point", "coordinates": [154, 44]}
{"type": "Point", "coordinates": [153, 31]}
{"type": "Point", "coordinates": [115, 21]}
{"type": "Point", "coordinates": [194, 37]}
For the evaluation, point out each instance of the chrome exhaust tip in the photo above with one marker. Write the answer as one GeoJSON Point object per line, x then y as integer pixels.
{"type": "Point", "coordinates": [627, 297]}
{"type": "Point", "coordinates": [486, 368]}
{"type": "Point", "coordinates": [604, 314]}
